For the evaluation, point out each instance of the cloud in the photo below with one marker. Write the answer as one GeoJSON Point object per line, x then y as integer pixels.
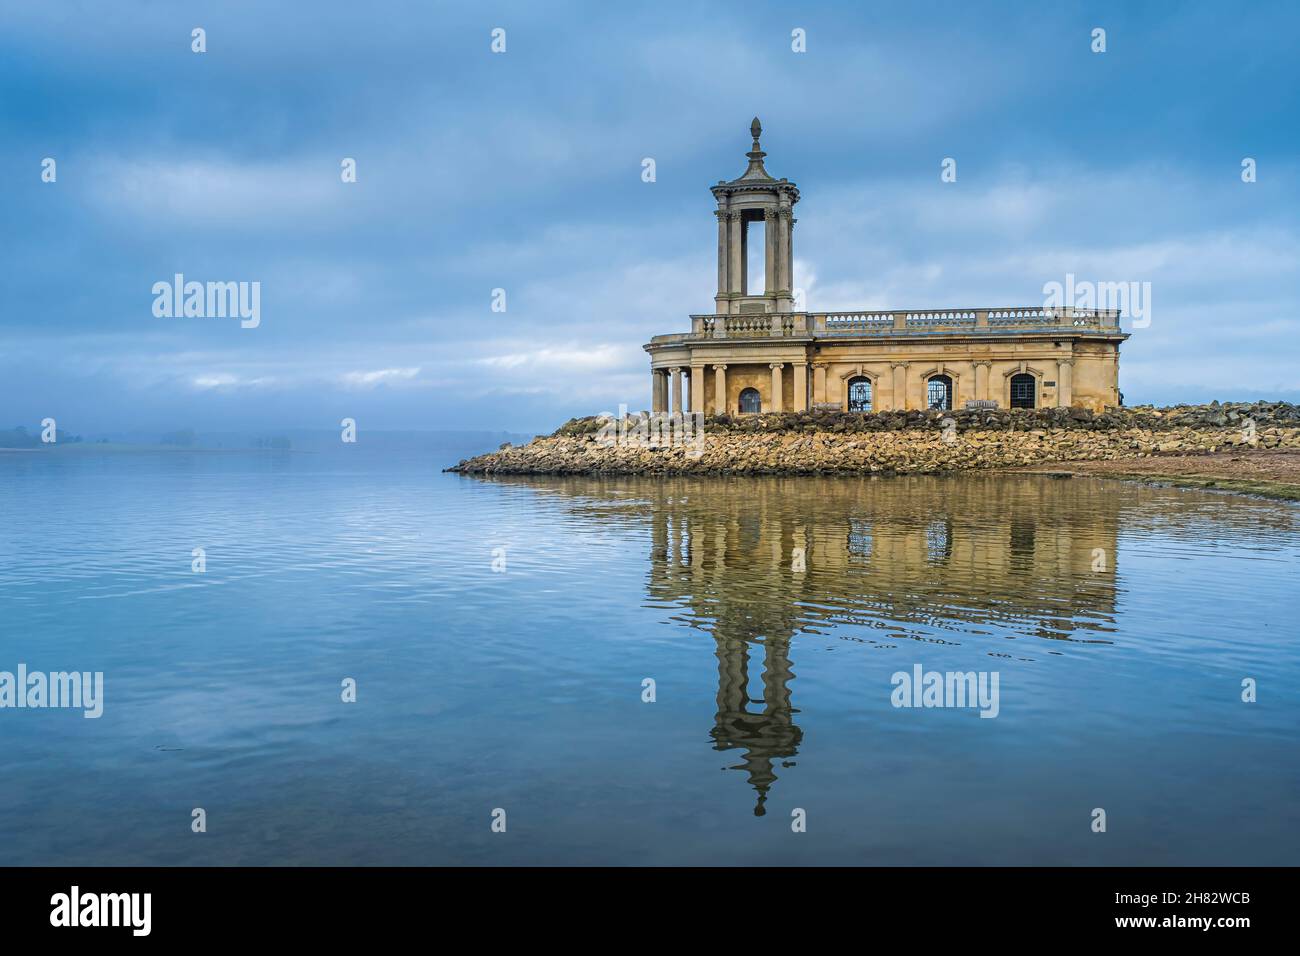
{"type": "Point", "coordinates": [558, 360]}
{"type": "Point", "coordinates": [224, 380]}
{"type": "Point", "coordinates": [214, 191]}
{"type": "Point", "coordinates": [502, 171]}
{"type": "Point", "coordinates": [383, 376]}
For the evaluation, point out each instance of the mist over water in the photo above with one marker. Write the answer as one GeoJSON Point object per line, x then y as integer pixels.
{"type": "Point", "coordinates": [770, 613]}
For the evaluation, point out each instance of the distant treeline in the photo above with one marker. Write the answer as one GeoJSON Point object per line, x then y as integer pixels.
{"type": "Point", "coordinates": [278, 443]}
{"type": "Point", "coordinates": [185, 437]}
{"type": "Point", "coordinates": [20, 437]}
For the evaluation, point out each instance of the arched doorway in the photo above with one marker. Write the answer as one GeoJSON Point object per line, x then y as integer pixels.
{"type": "Point", "coordinates": [1023, 389]}
{"type": "Point", "coordinates": [859, 394]}
{"type": "Point", "coordinates": [750, 404]}
{"type": "Point", "coordinates": [938, 392]}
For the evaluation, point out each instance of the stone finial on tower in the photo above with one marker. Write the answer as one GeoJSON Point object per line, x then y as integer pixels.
{"type": "Point", "coordinates": [755, 154]}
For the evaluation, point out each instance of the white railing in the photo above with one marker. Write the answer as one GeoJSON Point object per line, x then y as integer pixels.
{"type": "Point", "coordinates": [785, 324]}
{"type": "Point", "coordinates": [926, 320]}
{"type": "Point", "coordinates": [1022, 317]}
{"type": "Point", "coordinates": [858, 321]}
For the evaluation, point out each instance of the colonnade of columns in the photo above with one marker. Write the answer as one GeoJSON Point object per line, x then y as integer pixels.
{"type": "Point", "coordinates": [681, 388]}
{"type": "Point", "coordinates": [677, 389]}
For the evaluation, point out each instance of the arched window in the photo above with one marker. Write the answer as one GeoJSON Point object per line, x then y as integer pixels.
{"type": "Point", "coordinates": [1023, 388]}
{"type": "Point", "coordinates": [1022, 544]}
{"type": "Point", "coordinates": [938, 392]}
{"type": "Point", "coordinates": [749, 402]}
{"type": "Point", "coordinates": [859, 394]}
{"type": "Point", "coordinates": [938, 540]}
{"type": "Point", "coordinates": [859, 539]}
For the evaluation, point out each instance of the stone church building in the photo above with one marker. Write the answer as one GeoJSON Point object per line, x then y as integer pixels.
{"type": "Point", "coordinates": [755, 353]}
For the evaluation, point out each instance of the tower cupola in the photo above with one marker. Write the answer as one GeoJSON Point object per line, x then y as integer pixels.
{"type": "Point", "coordinates": [755, 197]}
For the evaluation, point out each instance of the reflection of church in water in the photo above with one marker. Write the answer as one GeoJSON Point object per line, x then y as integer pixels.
{"type": "Point", "coordinates": [761, 562]}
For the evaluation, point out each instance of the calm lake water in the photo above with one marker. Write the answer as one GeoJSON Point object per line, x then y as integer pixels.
{"type": "Point", "coordinates": [1121, 621]}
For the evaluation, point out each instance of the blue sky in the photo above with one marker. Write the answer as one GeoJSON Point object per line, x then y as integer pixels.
{"type": "Point", "coordinates": [522, 171]}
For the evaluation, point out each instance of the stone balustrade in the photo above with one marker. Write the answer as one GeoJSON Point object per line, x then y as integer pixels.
{"type": "Point", "coordinates": [849, 324]}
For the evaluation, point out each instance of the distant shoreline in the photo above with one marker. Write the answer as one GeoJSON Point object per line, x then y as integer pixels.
{"type": "Point", "coordinates": [1266, 473]}
{"type": "Point", "coordinates": [83, 447]}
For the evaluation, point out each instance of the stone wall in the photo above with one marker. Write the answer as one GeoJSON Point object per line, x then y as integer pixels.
{"type": "Point", "coordinates": [903, 442]}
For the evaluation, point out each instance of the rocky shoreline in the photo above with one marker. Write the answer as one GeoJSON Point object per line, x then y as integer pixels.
{"type": "Point", "coordinates": [892, 443]}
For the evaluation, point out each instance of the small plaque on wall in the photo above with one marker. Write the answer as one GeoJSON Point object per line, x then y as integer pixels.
{"type": "Point", "coordinates": [1049, 385]}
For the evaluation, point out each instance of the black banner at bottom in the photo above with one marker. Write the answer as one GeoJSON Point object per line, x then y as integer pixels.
{"type": "Point", "coordinates": [339, 905]}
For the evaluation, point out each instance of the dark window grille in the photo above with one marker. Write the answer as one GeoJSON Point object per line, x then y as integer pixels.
{"type": "Point", "coordinates": [859, 538]}
{"type": "Point", "coordinates": [938, 392]}
{"type": "Point", "coordinates": [938, 540]}
{"type": "Point", "coordinates": [1022, 391]}
{"type": "Point", "coordinates": [859, 394]}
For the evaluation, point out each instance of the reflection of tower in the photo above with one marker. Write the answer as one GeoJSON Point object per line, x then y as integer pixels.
{"type": "Point", "coordinates": [757, 562]}
{"type": "Point", "coordinates": [732, 563]}
{"type": "Point", "coordinates": [766, 735]}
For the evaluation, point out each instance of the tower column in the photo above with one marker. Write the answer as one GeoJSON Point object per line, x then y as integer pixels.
{"type": "Point", "coordinates": [770, 251]}
{"type": "Point", "coordinates": [677, 389]}
{"type": "Point", "coordinates": [724, 256]}
{"type": "Point", "coordinates": [736, 246]}
{"type": "Point", "coordinates": [776, 385]}
{"type": "Point", "coordinates": [720, 390]}
{"type": "Point", "coordinates": [783, 281]}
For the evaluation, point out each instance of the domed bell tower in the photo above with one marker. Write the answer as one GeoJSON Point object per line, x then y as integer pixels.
{"type": "Point", "coordinates": [755, 198]}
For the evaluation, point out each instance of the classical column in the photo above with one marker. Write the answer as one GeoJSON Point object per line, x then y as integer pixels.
{"type": "Point", "coordinates": [776, 386]}
{"type": "Point", "coordinates": [677, 389]}
{"type": "Point", "coordinates": [1064, 382]}
{"type": "Point", "coordinates": [801, 386]}
{"type": "Point", "coordinates": [783, 282]}
{"type": "Point", "coordinates": [724, 255]}
{"type": "Point", "coordinates": [982, 380]}
{"type": "Point", "coordinates": [697, 388]}
{"type": "Point", "coordinates": [770, 230]}
{"type": "Point", "coordinates": [819, 383]}
{"type": "Point", "coordinates": [789, 252]}
{"type": "Point", "coordinates": [720, 390]}
{"type": "Point", "coordinates": [899, 398]}
{"type": "Point", "coordinates": [736, 270]}
{"type": "Point", "coordinates": [656, 390]}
